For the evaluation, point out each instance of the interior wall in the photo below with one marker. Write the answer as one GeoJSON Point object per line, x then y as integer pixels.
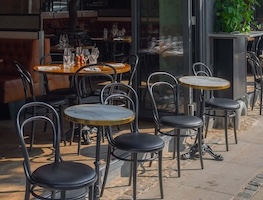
{"type": "Point", "coordinates": [19, 6]}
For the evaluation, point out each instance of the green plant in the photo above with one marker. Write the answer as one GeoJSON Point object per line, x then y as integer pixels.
{"type": "Point", "coordinates": [234, 15]}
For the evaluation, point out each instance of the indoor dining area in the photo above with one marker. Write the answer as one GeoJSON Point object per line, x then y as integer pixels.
{"type": "Point", "coordinates": [111, 99]}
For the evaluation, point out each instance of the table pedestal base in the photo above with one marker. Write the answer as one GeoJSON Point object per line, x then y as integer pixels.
{"type": "Point", "coordinates": [205, 149]}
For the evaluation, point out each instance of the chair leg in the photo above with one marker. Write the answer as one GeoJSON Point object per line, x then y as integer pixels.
{"type": "Point", "coordinates": [32, 135]}
{"type": "Point", "coordinates": [130, 175]}
{"type": "Point", "coordinates": [106, 170]}
{"type": "Point", "coordinates": [160, 158]}
{"type": "Point", "coordinates": [134, 177]}
{"type": "Point", "coordinates": [226, 127]}
{"type": "Point", "coordinates": [254, 98]}
{"type": "Point", "coordinates": [235, 128]}
{"type": "Point", "coordinates": [261, 96]}
{"type": "Point", "coordinates": [62, 125]}
{"type": "Point", "coordinates": [63, 195]}
{"type": "Point", "coordinates": [207, 123]}
{"type": "Point", "coordinates": [53, 194]}
{"type": "Point", "coordinates": [79, 138]}
{"type": "Point", "coordinates": [72, 132]}
{"type": "Point", "coordinates": [200, 147]}
{"type": "Point", "coordinates": [174, 141]}
{"type": "Point", "coordinates": [27, 192]}
{"type": "Point", "coordinates": [91, 192]}
{"type": "Point", "coordinates": [156, 133]}
{"type": "Point", "coordinates": [178, 152]}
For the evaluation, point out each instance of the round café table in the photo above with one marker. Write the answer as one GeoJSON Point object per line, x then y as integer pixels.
{"type": "Point", "coordinates": [58, 69]}
{"type": "Point", "coordinates": [98, 115]}
{"type": "Point", "coordinates": [202, 83]}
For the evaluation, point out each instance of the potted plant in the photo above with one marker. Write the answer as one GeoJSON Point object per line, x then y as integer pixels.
{"type": "Point", "coordinates": [234, 15]}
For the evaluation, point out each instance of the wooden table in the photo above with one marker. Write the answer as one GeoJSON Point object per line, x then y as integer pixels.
{"type": "Point", "coordinates": [202, 83]}
{"type": "Point", "coordinates": [58, 69]}
{"type": "Point", "coordinates": [98, 115]}
{"type": "Point", "coordinates": [57, 49]}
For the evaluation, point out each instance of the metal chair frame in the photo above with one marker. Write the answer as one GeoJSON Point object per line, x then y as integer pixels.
{"type": "Point", "coordinates": [166, 82]}
{"type": "Point", "coordinates": [227, 106]}
{"type": "Point", "coordinates": [58, 175]}
{"type": "Point", "coordinates": [109, 96]}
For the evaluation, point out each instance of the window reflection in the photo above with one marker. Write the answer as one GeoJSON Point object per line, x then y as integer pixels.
{"type": "Point", "coordinates": [161, 43]}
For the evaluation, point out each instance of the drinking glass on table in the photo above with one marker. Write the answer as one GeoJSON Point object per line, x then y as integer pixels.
{"type": "Point", "coordinates": [94, 56]}
{"type": "Point", "coordinates": [67, 58]}
{"type": "Point", "coordinates": [86, 55]}
{"type": "Point", "coordinates": [78, 51]}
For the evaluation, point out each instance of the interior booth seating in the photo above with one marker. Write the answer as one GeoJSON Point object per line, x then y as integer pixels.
{"type": "Point", "coordinates": [26, 52]}
{"type": "Point", "coordinates": [21, 39]}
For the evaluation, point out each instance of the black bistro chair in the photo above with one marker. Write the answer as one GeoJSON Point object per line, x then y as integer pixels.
{"type": "Point", "coordinates": [56, 101]}
{"type": "Point", "coordinates": [132, 143]}
{"type": "Point", "coordinates": [256, 70]}
{"type": "Point", "coordinates": [217, 107]}
{"type": "Point", "coordinates": [165, 96]}
{"type": "Point", "coordinates": [55, 179]}
{"type": "Point", "coordinates": [88, 83]}
{"type": "Point", "coordinates": [69, 92]}
{"type": "Point", "coordinates": [132, 60]}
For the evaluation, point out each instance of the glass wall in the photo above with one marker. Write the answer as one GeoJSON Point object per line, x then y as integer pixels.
{"type": "Point", "coordinates": [163, 41]}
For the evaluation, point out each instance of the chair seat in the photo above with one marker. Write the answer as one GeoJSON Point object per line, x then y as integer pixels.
{"type": "Point", "coordinates": [90, 99]}
{"type": "Point", "coordinates": [182, 121]}
{"type": "Point", "coordinates": [68, 92]}
{"type": "Point", "coordinates": [51, 99]}
{"type": "Point", "coordinates": [259, 80]}
{"type": "Point", "coordinates": [57, 176]}
{"type": "Point", "coordinates": [141, 142]}
{"type": "Point", "coordinates": [223, 103]}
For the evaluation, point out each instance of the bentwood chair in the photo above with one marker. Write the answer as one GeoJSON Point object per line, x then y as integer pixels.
{"type": "Point", "coordinates": [133, 61]}
{"type": "Point", "coordinates": [56, 101]}
{"type": "Point", "coordinates": [117, 52]}
{"type": "Point", "coordinates": [256, 70]}
{"type": "Point", "coordinates": [55, 179]}
{"type": "Point", "coordinates": [165, 97]}
{"type": "Point", "coordinates": [134, 143]}
{"type": "Point", "coordinates": [88, 83]}
{"type": "Point", "coordinates": [69, 92]}
{"type": "Point", "coordinates": [217, 107]}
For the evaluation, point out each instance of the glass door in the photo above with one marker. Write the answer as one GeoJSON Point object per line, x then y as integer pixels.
{"type": "Point", "coordinates": [164, 41]}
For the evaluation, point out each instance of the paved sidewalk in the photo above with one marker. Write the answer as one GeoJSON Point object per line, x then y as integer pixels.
{"type": "Point", "coordinates": [238, 177]}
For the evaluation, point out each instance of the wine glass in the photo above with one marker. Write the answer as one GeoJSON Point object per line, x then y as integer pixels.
{"type": "Point", "coordinates": [86, 55]}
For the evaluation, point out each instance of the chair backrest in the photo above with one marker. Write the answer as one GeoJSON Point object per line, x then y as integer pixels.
{"type": "Point", "coordinates": [133, 60]}
{"type": "Point", "coordinates": [200, 69]}
{"type": "Point", "coordinates": [163, 89]}
{"type": "Point", "coordinates": [52, 58]}
{"type": "Point", "coordinates": [23, 125]}
{"type": "Point", "coordinates": [123, 95]}
{"type": "Point", "coordinates": [254, 63]}
{"type": "Point", "coordinates": [91, 82]}
{"type": "Point", "coordinates": [27, 81]}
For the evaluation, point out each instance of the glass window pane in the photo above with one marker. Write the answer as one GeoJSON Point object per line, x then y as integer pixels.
{"type": "Point", "coordinates": [161, 41]}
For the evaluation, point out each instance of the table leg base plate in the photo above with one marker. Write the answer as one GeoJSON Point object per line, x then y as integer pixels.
{"type": "Point", "coordinates": [205, 149]}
